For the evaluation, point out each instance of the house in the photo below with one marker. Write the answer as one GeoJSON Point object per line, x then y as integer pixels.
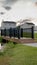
{"type": "Point", "coordinates": [27, 28]}
{"type": "Point", "coordinates": [8, 24]}
{"type": "Point", "coordinates": [25, 23]}
{"type": "Point", "coordinates": [11, 24]}
{"type": "Point", "coordinates": [23, 28]}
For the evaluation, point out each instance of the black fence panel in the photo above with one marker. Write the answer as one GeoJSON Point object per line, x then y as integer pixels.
{"type": "Point", "coordinates": [26, 32]}
{"type": "Point", "coordinates": [4, 32]}
{"type": "Point", "coordinates": [7, 32]}
{"type": "Point", "coordinates": [1, 32]}
{"type": "Point", "coordinates": [18, 32]}
{"type": "Point", "coordinates": [10, 32]}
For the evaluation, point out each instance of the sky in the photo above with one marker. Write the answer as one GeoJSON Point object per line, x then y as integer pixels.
{"type": "Point", "coordinates": [15, 10]}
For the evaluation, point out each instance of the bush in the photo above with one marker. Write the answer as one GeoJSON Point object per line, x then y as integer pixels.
{"type": "Point", "coordinates": [1, 39]}
{"type": "Point", "coordinates": [14, 43]}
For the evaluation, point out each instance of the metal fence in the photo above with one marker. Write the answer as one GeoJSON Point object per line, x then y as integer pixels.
{"type": "Point", "coordinates": [18, 32]}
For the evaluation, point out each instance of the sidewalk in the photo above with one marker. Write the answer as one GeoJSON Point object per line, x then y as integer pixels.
{"type": "Point", "coordinates": [2, 47]}
{"type": "Point", "coordinates": [31, 44]}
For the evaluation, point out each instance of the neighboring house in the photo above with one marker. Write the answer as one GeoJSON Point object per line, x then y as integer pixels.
{"type": "Point", "coordinates": [8, 24]}
{"type": "Point", "coordinates": [25, 23]}
{"type": "Point", "coordinates": [11, 24]}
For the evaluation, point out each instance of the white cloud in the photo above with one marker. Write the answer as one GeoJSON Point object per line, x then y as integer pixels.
{"type": "Point", "coordinates": [21, 10]}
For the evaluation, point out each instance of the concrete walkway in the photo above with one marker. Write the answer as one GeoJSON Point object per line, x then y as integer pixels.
{"type": "Point", "coordinates": [31, 44]}
{"type": "Point", "coordinates": [2, 47]}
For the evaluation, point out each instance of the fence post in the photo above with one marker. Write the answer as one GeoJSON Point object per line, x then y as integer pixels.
{"type": "Point", "coordinates": [10, 32]}
{"type": "Point", "coordinates": [32, 32]}
{"type": "Point", "coordinates": [5, 32]}
{"type": "Point", "coordinates": [14, 32]}
{"type": "Point", "coordinates": [18, 32]}
{"type": "Point", "coordinates": [1, 32]}
{"type": "Point", "coordinates": [21, 32]}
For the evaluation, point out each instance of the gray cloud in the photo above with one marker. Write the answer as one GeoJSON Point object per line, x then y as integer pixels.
{"type": "Point", "coordinates": [2, 13]}
{"type": "Point", "coordinates": [9, 2]}
{"type": "Point", "coordinates": [30, 0]}
{"type": "Point", "coordinates": [7, 8]}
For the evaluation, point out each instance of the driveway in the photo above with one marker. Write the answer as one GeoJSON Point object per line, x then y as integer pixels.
{"type": "Point", "coordinates": [31, 44]}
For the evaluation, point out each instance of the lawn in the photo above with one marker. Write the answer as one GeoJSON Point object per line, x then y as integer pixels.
{"type": "Point", "coordinates": [27, 34]}
{"type": "Point", "coordinates": [18, 54]}
{"type": "Point", "coordinates": [35, 35]}
{"type": "Point", "coordinates": [1, 39]}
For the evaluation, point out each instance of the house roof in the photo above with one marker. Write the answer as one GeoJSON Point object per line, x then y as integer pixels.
{"type": "Point", "coordinates": [30, 23]}
{"type": "Point", "coordinates": [9, 22]}
{"type": "Point", "coordinates": [27, 21]}
{"type": "Point", "coordinates": [21, 22]}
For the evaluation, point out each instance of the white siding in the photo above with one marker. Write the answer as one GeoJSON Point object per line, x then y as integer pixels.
{"type": "Point", "coordinates": [26, 26]}
{"type": "Point", "coordinates": [8, 25]}
{"type": "Point", "coordinates": [35, 29]}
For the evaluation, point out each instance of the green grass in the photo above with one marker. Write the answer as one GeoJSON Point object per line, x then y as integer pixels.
{"type": "Point", "coordinates": [18, 55]}
{"type": "Point", "coordinates": [35, 35]}
{"type": "Point", "coordinates": [27, 34]}
{"type": "Point", "coordinates": [1, 39]}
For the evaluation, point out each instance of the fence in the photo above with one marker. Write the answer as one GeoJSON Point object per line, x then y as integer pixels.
{"type": "Point", "coordinates": [18, 32]}
{"type": "Point", "coordinates": [27, 32]}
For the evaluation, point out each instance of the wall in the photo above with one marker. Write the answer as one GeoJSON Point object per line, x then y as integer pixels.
{"type": "Point", "coordinates": [26, 26]}
{"type": "Point", "coordinates": [35, 29]}
{"type": "Point", "coordinates": [8, 25]}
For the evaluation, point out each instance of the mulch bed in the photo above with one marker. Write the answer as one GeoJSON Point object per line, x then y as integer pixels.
{"type": "Point", "coordinates": [21, 40]}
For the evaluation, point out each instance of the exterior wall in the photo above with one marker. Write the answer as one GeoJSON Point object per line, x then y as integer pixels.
{"type": "Point", "coordinates": [35, 29]}
{"type": "Point", "coordinates": [8, 25]}
{"type": "Point", "coordinates": [26, 26]}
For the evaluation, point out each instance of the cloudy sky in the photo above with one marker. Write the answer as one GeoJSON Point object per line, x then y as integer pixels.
{"type": "Point", "coordinates": [17, 9]}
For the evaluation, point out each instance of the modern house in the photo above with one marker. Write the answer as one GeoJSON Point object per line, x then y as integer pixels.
{"type": "Point", "coordinates": [23, 28]}
{"type": "Point", "coordinates": [27, 28]}
{"type": "Point", "coordinates": [12, 24]}
{"type": "Point", "coordinates": [25, 23]}
{"type": "Point", "coordinates": [8, 24]}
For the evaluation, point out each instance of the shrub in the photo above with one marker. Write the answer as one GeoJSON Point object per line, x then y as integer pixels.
{"type": "Point", "coordinates": [1, 39]}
